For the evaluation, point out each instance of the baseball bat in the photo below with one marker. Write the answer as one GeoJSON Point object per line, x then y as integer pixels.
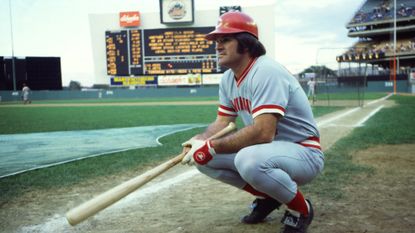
{"type": "Point", "coordinates": [102, 201]}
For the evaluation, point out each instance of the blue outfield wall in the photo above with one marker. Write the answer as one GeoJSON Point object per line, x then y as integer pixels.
{"type": "Point", "coordinates": [151, 92]}
{"type": "Point", "coordinates": [372, 86]}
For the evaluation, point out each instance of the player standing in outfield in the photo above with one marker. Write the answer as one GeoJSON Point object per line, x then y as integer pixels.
{"type": "Point", "coordinates": [25, 94]}
{"type": "Point", "coordinates": [278, 149]}
{"type": "Point", "coordinates": [311, 90]}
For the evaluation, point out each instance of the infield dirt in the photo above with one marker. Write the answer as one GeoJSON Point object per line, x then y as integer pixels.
{"type": "Point", "coordinates": [380, 202]}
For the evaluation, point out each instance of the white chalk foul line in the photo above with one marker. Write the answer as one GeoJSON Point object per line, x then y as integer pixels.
{"type": "Point", "coordinates": [361, 122]}
{"type": "Point", "coordinates": [378, 100]}
{"type": "Point", "coordinates": [330, 120]}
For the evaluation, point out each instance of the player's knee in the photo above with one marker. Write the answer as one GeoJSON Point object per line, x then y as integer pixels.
{"type": "Point", "coordinates": [246, 164]}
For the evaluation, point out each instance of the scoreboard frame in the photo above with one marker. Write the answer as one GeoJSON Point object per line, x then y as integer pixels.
{"type": "Point", "coordinates": [163, 51]}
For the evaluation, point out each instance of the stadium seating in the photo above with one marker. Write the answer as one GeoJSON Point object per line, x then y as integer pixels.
{"type": "Point", "coordinates": [375, 10]}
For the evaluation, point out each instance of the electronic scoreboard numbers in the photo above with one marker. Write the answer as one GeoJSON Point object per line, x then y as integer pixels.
{"type": "Point", "coordinates": [160, 52]}
{"type": "Point", "coordinates": [117, 53]}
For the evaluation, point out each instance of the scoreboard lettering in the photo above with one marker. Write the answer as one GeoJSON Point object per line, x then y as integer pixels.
{"type": "Point", "coordinates": [160, 52]}
{"type": "Point", "coordinates": [176, 42]}
{"type": "Point", "coordinates": [136, 58]}
{"type": "Point", "coordinates": [117, 50]}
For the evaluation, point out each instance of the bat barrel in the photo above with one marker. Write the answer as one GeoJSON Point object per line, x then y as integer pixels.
{"type": "Point", "coordinates": [102, 201]}
{"type": "Point", "coordinates": [113, 195]}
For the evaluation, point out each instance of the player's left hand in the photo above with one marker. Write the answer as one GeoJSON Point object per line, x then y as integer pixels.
{"type": "Point", "coordinates": [201, 152]}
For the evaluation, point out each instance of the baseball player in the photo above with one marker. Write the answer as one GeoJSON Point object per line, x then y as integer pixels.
{"type": "Point", "coordinates": [25, 94]}
{"type": "Point", "coordinates": [311, 89]}
{"type": "Point", "coordinates": [278, 149]}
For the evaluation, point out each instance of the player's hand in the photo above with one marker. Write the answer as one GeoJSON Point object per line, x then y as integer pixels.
{"type": "Point", "coordinates": [201, 152]}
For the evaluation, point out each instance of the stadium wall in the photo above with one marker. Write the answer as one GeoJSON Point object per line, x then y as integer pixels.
{"type": "Point", "coordinates": [168, 92]}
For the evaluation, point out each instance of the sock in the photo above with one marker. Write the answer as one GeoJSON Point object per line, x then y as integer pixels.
{"type": "Point", "coordinates": [299, 204]}
{"type": "Point", "coordinates": [254, 192]}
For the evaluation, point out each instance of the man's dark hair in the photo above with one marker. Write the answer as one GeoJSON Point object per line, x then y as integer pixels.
{"type": "Point", "coordinates": [247, 42]}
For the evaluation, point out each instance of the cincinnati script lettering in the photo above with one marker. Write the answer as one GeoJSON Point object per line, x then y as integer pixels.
{"type": "Point", "coordinates": [241, 104]}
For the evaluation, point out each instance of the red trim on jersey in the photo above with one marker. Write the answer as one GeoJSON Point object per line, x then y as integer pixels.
{"type": "Point", "coordinates": [268, 106]}
{"type": "Point", "coordinates": [226, 111]}
{"type": "Point", "coordinates": [245, 72]}
{"type": "Point", "coordinates": [313, 142]}
{"type": "Point", "coordinates": [225, 114]}
{"type": "Point", "coordinates": [226, 108]}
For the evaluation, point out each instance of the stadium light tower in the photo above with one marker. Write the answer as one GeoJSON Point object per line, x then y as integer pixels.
{"type": "Point", "coordinates": [394, 46]}
{"type": "Point", "coordinates": [11, 37]}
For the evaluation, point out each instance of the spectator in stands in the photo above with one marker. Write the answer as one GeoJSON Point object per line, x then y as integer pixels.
{"type": "Point", "coordinates": [385, 6]}
{"type": "Point", "coordinates": [386, 48]}
{"type": "Point", "coordinates": [402, 11]}
{"type": "Point", "coordinates": [402, 48]}
{"type": "Point", "coordinates": [25, 94]}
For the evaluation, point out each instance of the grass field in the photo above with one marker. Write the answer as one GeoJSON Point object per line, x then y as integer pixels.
{"type": "Point", "coordinates": [389, 126]}
{"type": "Point", "coordinates": [350, 96]}
{"type": "Point", "coordinates": [111, 100]}
{"type": "Point", "coordinates": [45, 119]}
{"type": "Point", "coordinates": [323, 96]}
{"type": "Point", "coordinates": [42, 119]}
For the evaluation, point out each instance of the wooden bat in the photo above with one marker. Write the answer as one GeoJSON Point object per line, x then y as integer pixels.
{"type": "Point", "coordinates": [102, 201]}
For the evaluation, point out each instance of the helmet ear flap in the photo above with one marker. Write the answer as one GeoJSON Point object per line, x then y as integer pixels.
{"type": "Point", "coordinates": [234, 22]}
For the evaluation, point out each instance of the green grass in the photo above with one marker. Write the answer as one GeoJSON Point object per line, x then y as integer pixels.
{"type": "Point", "coordinates": [323, 96]}
{"type": "Point", "coordinates": [110, 100]}
{"type": "Point", "coordinates": [389, 126]}
{"type": "Point", "coordinates": [350, 96]}
{"type": "Point", "coordinates": [44, 119]}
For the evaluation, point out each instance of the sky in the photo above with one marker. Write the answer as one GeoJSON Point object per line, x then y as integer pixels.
{"type": "Point", "coordinates": [306, 33]}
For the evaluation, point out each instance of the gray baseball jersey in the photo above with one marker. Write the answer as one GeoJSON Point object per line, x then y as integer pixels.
{"type": "Point", "coordinates": [294, 157]}
{"type": "Point", "coordinates": [267, 87]}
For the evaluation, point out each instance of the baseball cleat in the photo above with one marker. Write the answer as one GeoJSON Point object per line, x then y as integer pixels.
{"type": "Point", "coordinates": [295, 222]}
{"type": "Point", "coordinates": [261, 208]}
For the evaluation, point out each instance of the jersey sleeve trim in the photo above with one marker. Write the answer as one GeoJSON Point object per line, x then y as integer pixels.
{"type": "Point", "coordinates": [268, 109]}
{"type": "Point", "coordinates": [313, 142]}
{"type": "Point", "coordinates": [226, 111]}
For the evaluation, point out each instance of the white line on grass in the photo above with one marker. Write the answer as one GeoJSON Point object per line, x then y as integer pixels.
{"type": "Point", "coordinates": [378, 100]}
{"type": "Point", "coordinates": [361, 122]}
{"type": "Point", "coordinates": [330, 120]}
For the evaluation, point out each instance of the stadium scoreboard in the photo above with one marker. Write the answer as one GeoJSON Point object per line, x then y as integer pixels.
{"type": "Point", "coordinates": [160, 51]}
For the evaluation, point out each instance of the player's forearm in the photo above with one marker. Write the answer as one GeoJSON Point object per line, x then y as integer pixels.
{"type": "Point", "coordinates": [263, 130]}
{"type": "Point", "coordinates": [213, 128]}
{"type": "Point", "coordinates": [244, 137]}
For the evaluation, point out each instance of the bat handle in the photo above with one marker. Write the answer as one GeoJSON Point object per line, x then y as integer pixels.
{"type": "Point", "coordinates": [231, 127]}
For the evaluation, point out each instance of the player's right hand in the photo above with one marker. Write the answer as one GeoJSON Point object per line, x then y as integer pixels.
{"type": "Point", "coordinates": [187, 146]}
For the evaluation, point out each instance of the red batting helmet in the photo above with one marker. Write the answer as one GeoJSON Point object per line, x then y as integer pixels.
{"type": "Point", "coordinates": [234, 22]}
